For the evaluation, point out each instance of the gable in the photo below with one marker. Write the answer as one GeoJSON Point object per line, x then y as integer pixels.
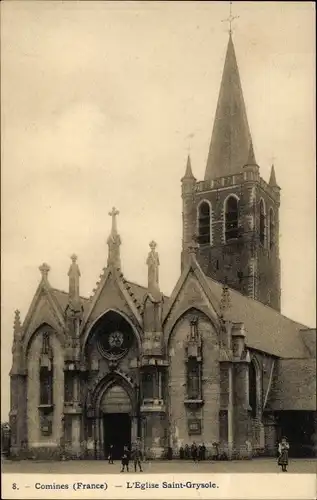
{"type": "Point", "coordinates": [41, 312]}
{"type": "Point", "coordinates": [190, 295]}
{"type": "Point", "coordinates": [112, 293]}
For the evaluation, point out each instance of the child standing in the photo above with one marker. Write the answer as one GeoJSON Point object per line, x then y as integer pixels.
{"type": "Point", "coordinates": [125, 459]}
{"type": "Point", "coordinates": [283, 449]}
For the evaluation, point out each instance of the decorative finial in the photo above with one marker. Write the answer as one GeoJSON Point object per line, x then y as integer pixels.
{"type": "Point", "coordinates": [230, 19]}
{"type": "Point", "coordinates": [16, 328]}
{"type": "Point", "coordinates": [44, 270]}
{"type": "Point", "coordinates": [153, 263]}
{"type": "Point", "coordinates": [74, 258]}
{"type": "Point", "coordinates": [17, 321]}
{"type": "Point", "coordinates": [114, 242]}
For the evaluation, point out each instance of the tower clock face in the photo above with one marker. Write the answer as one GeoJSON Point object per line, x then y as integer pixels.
{"type": "Point", "coordinates": [113, 345]}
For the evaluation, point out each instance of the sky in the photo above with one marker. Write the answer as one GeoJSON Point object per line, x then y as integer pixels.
{"type": "Point", "coordinates": [101, 103]}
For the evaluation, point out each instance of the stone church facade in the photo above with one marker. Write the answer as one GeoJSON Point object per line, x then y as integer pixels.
{"type": "Point", "coordinates": [214, 362]}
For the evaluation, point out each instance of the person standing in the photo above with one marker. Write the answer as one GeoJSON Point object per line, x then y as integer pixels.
{"type": "Point", "coordinates": [203, 452]}
{"type": "Point", "coordinates": [125, 459]}
{"type": "Point", "coordinates": [137, 457]}
{"type": "Point", "coordinates": [283, 449]}
{"type": "Point", "coordinates": [194, 451]}
{"type": "Point", "coordinates": [110, 454]}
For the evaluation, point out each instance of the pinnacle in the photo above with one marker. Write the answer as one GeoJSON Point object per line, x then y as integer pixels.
{"type": "Point", "coordinates": [272, 181]}
{"type": "Point", "coordinates": [188, 172]}
{"type": "Point", "coordinates": [74, 269]}
{"type": "Point", "coordinates": [251, 156]}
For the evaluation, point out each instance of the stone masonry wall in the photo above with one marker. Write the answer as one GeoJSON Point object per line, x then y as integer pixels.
{"type": "Point", "coordinates": [209, 412]}
{"type": "Point", "coordinates": [44, 445]}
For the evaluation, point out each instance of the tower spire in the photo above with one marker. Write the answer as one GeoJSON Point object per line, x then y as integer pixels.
{"type": "Point", "coordinates": [114, 241]}
{"type": "Point", "coordinates": [231, 137]}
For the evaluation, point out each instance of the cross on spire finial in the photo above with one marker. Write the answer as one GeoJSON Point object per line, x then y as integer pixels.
{"type": "Point", "coordinates": [114, 212]}
{"type": "Point", "coordinates": [44, 270]}
{"type": "Point", "coordinates": [230, 19]}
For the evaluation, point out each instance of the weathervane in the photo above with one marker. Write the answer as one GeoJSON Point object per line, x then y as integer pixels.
{"type": "Point", "coordinates": [230, 19]}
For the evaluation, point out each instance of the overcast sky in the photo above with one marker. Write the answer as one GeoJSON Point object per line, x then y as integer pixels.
{"type": "Point", "coordinates": [98, 101]}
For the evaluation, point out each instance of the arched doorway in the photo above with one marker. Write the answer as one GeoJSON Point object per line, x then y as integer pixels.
{"type": "Point", "coordinates": [117, 419]}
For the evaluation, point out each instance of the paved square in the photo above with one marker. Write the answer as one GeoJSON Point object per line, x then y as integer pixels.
{"type": "Point", "coordinates": [258, 465]}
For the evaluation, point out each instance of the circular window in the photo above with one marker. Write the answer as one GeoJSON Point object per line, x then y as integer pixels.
{"type": "Point", "coordinates": [114, 336]}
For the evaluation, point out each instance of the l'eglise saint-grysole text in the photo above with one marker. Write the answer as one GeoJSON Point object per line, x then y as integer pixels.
{"type": "Point", "coordinates": [167, 484]}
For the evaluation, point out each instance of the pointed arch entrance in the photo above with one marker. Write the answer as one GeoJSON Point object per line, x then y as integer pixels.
{"type": "Point", "coordinates": [115, 404]}
{"type": "Point", "coordinates": [116, 410]}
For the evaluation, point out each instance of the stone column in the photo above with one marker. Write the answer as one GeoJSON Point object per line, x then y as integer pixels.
{"type": "Point", "coordinates": [241, 408]}
{"type": "Point", "coordinates": [270, 434]}
{"type": "Point", "coordinates": [230, 410]}
{"type": "Point", "coordinates": [156, 424]}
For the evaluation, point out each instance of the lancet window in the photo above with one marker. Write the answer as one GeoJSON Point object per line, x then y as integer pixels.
{"type": "Point", "coordinates": [231, 218]}
{"type": "Point", "coordinates": [262, 223]}
{"type": "Point", "coordinates": [204, 223]}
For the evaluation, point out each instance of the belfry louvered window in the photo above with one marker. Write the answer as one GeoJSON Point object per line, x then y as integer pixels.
{"type": "Point", "coordinates": [231, 218]}
{"type": "Point", "coordinates": [204, 219]}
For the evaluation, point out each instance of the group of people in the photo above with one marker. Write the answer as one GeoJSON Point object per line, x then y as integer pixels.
{"type": "Point", "coordinates": [194, 452]}
{"type": "Point", "coordinates": [134, 454]}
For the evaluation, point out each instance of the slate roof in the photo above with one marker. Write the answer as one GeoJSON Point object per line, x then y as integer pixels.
{"type": "Point", "coordinates": [294, 385]}
{"type": "Point", "coordinates": [266, 329]}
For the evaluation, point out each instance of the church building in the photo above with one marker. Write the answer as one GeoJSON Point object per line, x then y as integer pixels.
{"type": "Point", "coordinates": [216, 362]}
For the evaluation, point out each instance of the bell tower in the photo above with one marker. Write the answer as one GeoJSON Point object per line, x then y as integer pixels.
{"type": "Point", "coordinates": [233, 212]}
